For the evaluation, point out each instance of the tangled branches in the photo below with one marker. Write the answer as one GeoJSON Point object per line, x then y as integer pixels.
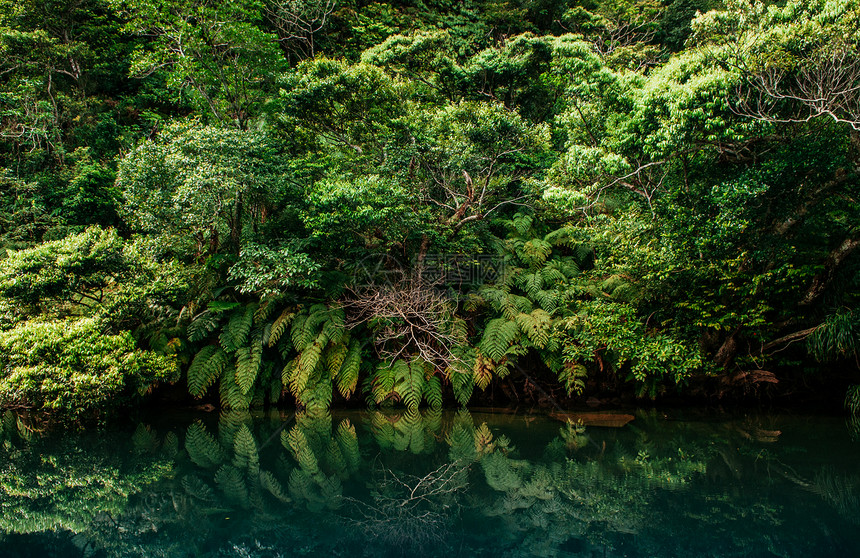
{"type": "Point", "coordinates": [410, 512]}
{"type": "Point", "coordinates": [827, 84]}
{"type": "Point", "coordinates": [411, 317]}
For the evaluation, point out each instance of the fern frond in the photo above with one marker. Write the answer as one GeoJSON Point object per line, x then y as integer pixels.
{"type": "Point", "coordinates": [248, 360]}
{"type": "Point", "coordinates": [203, 326]}
{"type": "Point", "coordinates": [202, 447]}
{"type": "Point", "coordinates": [561, 237]}
{"type": "Point", "coordinates": [549, 300]}
{"type": "Point", "coordinates": [348, 442]}
{"type": "Point", "coordinates": [205, 369]}
{"type": "Point", "coordinates": [231, 395]}
{"type": "Point", "coordinates": [296, 441]}
{"type": "Point", "coordinates": [235, 333]}
{"type": "Point", "coordinates": [535, 252]}
{"type": "Point", "coordinates": [317, 394]}
{"type": "Point", "coordinates": [385, 377]}
{"type": "Point", "coordinates": [198, 489]}
{"type": "Point", "coordinates": [532, 283]}
{"type": "Point", "coordinates": [267, 306]}
{"type": "Point", "coordinates": [410, 385]}
{"type": "Point", "coordinates": [245, 449]}
{"type": "Point", "coordinates": [572, 376]}
{"type": "Point", "coordinates": [433, 392]}
{"type": "Point", "coordinates": [305, 365]}
{"type": "Point", "coordinates": [536, 326]}
{"type": "Point", "coordinates": [269, 483]}
{"type": "Point", "coordinates": [498, 337]}
{"type": "Point", "coordinates": [318, 314]}
{"type": "Point", "coordinates": [521, 224]}
{"type": "Point", "coordinates": [335, 355]}
{"type": "Point", "coordinates": [333, 329]}
{"type": "Point", "coordinates": [279, 326]}
{"type": "Point", "coordinates": [231, 481]}
{"type": "Point", "coordinates": [461, 376]}
{"type": "Point", "coordinates": [347, 376]}
{"type": "Point", "coordinates": [288, 372]}
{"type": "Point", "coordinates": [297, 330]}
{"type": "Point", "coordinates": [483, 370]}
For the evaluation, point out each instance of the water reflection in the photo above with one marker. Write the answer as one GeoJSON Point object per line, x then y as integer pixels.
{"type": "Point", "coordinates": [431, 483]}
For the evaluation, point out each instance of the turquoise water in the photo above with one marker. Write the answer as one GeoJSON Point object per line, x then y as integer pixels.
{"type": "Point", "coordinates": [434, 484]}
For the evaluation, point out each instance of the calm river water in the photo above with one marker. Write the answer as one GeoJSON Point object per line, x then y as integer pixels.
{"type": "Point", "coordinates": [643, 483]}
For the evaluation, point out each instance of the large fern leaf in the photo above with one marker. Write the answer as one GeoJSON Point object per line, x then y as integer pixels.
{"type": "Point", "coordinates": [536, 326]}
{"type": "Point", "coordinates": [347, 376]}
{"type": "Point", "coordinates": [231, 481]}
{"type": "Point", "coordinates": [348, 442]}
{"type": "Point", "coordinates": [433, 392]}
{"type": "Point", "coordinates": [498, 337]}
{"type": "Point", "coordinates": [235, 333]}
{"type": "Point", "coordinates": [279, 326]}
{"type": "Point", "coordinates": [203, 325]}
{"type": "Point", "coordinates": [248, 360]}
{"type": "Point", "coordinates": [202, 447]}
{"type": "Point", "coordinates": [271, 484]}
{"type": "Point", "coordinates": [245, 449]}
{"type": "Point", "coordinates": [231, 395]}
{"type": "Point", "coordinates": [205, 369]}
{"type": "Point", "coordinates": [410, 383]}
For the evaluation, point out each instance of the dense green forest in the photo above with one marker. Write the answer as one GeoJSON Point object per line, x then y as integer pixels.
{"type": "Point", "coordinates": [419, 203]}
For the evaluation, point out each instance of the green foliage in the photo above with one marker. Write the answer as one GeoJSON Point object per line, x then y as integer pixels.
{"type": "Point", "coordinates": [73, 367]}
{"type": "Point", "coordinates": [668, 193]}
{"type": "Point", "coordinates": [236, 176]}
{"type": "Point", "coordinates": [78, 268]}
{"type": "Point", "coordinates": [206, 367]}
{"type": "Point", "coordinates": [836, 338]}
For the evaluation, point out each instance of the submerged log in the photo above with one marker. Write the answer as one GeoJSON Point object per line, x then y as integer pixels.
{"type": "Point", "coordinates": [609, 420]}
